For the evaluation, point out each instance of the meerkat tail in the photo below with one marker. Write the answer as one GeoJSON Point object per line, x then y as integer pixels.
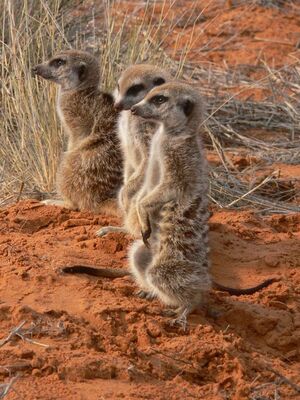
{"type": "Point", "coordinates": [240, 292]}
{"type": "Point", "coordinates": [101, 272]}
{"type": "Point", "coordinates": [114, 273]}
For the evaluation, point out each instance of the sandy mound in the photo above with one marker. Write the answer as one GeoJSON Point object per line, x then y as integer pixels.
{"type": "Point", "coordinates": [105, 343]}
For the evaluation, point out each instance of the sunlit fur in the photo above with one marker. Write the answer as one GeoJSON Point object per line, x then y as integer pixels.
{"type": "Point", "coordinates": [90, 173]}
{"type": "Point", "coordinates": [177, 205]}
{"type": "Point", "coordinates": [135, 135]}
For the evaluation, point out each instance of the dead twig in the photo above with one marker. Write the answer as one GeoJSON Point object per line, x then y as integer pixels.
{"type": "Point", "coordinates": [267, 179]}
{"type": "Point", "coordinates": [20, 192]}
{"type": "Point", "coordinates": [172, 357]}
{"type": "Point", "coordinates": [285, 379]}
{"type": "Point", "coordinates": [11, 334]}
{"type": "Point", "coordinates": [5, 388]}
{"type": "Point", "coordinates": [21, 334]}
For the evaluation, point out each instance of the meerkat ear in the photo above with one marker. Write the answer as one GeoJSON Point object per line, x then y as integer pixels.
{"type": "Point", "coordinates": [81, 70]}
{"type": "Point", "coordinates": [187, 106]}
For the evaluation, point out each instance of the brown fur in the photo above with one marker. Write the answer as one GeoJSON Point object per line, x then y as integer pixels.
{"type": "Point", "coordinates": [176, 207]}
{"type": "Point", "coordinates": [135, 135]}
{"type": "Point", "coordinates": [90, 172]}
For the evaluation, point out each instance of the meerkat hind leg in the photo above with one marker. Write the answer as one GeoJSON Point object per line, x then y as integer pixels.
{"type": "Point", "coordinates": [181, 319]}
{"type": "Point", "coordinates": [108, 229]}
{"type": "Point", "coordinates": [140, 259]}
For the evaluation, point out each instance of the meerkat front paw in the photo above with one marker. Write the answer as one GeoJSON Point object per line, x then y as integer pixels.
{"type": "Point", "coordinates": [147, 233]}
{"type": "Point", "coordinates": [144, 221]}
{"type": "Point", "coordinates": [181, 319]}
{"type": "Point", "coordinates": [107, 229]}
{"type": "Point", "coordinates": [123, 200]}
{"type": "Point", "coordinates": [59, 203]}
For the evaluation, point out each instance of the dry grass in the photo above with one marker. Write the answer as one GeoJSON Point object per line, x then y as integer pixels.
{"type": "Point", "coordinates": [31, 139]}
{"type": "Point", "coordinates": [30, 135]}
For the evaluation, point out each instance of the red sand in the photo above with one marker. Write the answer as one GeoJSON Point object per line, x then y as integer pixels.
{"type": "Point", "coordinates": [106, 343]}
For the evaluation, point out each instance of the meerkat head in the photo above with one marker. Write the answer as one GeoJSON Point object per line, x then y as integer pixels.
{"type": "Point", "coordinates": [174, 104]}
{"type": "Point", "coordinates": [135, 82]}
{"type": "Point", "coordinates": [72, 69]}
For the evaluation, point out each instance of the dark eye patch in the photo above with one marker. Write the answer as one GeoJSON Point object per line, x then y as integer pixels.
{"type": "Point", "coordinates": [158, 81]}
{"type": "Point", "coordinates": [135, 89]}
{"type": "Point", "coordinates": [159, 99]}
{"type": "Point", "coordinates": [57, 62]}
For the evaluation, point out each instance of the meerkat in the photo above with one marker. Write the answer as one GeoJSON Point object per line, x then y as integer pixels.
{"type": "Point", "coordinates": [174, 212]}
{"type": "Point", "coordinates": [135, 135]}
{"type": "Point", "coordinates": [90, 173]}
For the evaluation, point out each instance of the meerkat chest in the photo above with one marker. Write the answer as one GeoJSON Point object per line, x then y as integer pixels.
{"type": "Point", "coordinates": [124, 132]}
{"type": "Point", "coordinates": [129, 138]}
{"type": "Point", "coordinates": [155, 168]}
{"type": "Point", "coordinates": [61, 116]}
{"type": "Point", "coordinates": [59, 110]}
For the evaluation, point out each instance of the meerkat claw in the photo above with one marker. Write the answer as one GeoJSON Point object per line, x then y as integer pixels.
{"type": "Point", "coordinates": [145, 240]}
{"type": "Point", "coordinates": [150, 296]}
{"type": "Point", "coordinates": [181, 322]}
{"type": "Point", "coordinates": [143, 294]}
{"type": "Point", "coordinates": [169, 313]}
{"type": "Point", "coordinates": [146, 234]}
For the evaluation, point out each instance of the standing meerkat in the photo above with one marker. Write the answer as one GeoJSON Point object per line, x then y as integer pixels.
{"type": "Point", "coordinates": [135, 135]}
{"type": "Point", "coordinates": [90, 173]}
{"type": "Point", "coordinates": [175, 210]}
{"type": "Point", "coordinates": [174, 214]}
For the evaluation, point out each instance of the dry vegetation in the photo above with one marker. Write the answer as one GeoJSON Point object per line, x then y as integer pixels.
{"type": "Point", "coordinates": [31, 138]}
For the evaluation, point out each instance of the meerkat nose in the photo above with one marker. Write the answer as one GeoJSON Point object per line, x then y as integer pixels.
{"type": "Point", "coordinates": [118, 106]}
{"type": "Point", "coordinates": [34, 70]}
{"type": "Point", "coordinates": [133, 110]}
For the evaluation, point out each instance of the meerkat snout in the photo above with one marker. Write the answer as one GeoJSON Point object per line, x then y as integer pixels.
{"type": "Point", "coordinates": [118, 106]}
{"type": "Point", "coordinates": [133, 110]}
{"type": "Point", "coordinates": [41, 71]}
{"type": "Point", "coordinates": [34, 70]}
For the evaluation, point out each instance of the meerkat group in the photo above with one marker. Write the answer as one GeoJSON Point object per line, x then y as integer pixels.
{"type": "Point", "coordinates": [153, 124]}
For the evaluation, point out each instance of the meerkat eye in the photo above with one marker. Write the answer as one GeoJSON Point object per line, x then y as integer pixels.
{"type": "Point", "coordinates": [160, 99]}
{"type": "Point", "coordinates": [158, 81]}
{"type": "Point", "coordinates": [58, 62]}
{"type": "Point", "coordinates": [135, 90]}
